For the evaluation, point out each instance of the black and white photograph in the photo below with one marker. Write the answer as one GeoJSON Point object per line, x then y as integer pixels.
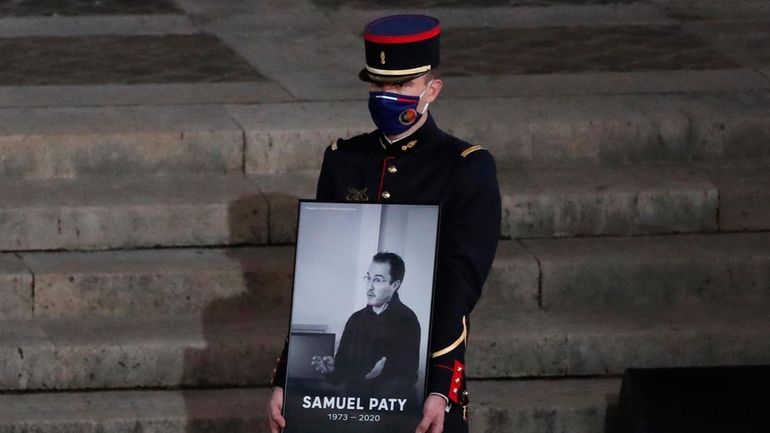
{"type": "Point", "coordinates": [360, 317]}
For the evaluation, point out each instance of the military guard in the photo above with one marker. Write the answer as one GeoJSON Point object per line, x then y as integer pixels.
{"type": "Point", "coordinates": [408, 159]}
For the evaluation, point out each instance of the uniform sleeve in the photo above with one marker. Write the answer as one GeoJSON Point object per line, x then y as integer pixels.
{"type": "Point", "coordinates": [470, 229]}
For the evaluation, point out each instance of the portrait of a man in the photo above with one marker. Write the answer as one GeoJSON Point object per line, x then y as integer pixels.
{"type": "Point", "coordinates": [378, 353]}
{"type": "Point", "coordinates": [361, 315]}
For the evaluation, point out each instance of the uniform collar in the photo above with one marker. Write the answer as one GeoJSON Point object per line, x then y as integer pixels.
{"type": "Point", "coordinates": [412, 142]}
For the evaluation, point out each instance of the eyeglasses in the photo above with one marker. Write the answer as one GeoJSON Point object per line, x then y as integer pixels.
{"type": "Point", "coordinates": [376, 280]}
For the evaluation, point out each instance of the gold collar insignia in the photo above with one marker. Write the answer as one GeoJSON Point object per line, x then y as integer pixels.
{"type": "Point", "coordinates": [357, 195]}
{"type": "Point", "coordinates": [409, 145]}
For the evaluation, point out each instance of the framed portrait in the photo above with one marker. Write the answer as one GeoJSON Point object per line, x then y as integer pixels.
{"type": "Point", "coordinates": [360, 319]}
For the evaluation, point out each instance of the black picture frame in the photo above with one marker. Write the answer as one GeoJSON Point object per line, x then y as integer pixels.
{"type": "Point", "coordinates": [382, 322]}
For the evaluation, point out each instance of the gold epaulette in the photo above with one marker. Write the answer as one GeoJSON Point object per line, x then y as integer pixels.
{"type": "Point", "coordinates": [470, 150]}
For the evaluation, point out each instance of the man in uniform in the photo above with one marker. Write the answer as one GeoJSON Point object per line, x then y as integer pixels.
{"type": "Point", "coordinates": [408, 159]}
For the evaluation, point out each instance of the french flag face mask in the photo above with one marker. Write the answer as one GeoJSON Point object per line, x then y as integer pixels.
{"type": "Point", "coordinates": [394, 113]}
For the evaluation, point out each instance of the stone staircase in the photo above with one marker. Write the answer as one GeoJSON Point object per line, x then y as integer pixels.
{"type": "Point", "coordinates": [147, 236]}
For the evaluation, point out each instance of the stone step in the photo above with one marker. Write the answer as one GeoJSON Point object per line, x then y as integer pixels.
{"type": "Point", "coordinates": [257, 281]}
{"type": "Point", "coordinates": [278, 137]}
{"type": "Point", "coordinates": [217, 348]}
{"type": "Point", "coordinates": [639, 272]}
{"type": "Point", "coordinates": [596, 201]}
{"type": "Point", "coordinates": [108, 213]}
{"type": "Point", "coordinates": [577, 406]}
{"type": "Point", "coordinates": [614, 130]}
{"type": "Point", "coordinates": [744, 191]}
{"type": "Point", "coordinates": [610, 273]}
{"type": "Point", "coordinates": [16, 288]}
{"type": "Point", "coordinates": [95, 213]}
{"type": "Point", "coordinates": [538, 406]}
{"type": "Point", "coordinates": [224, 410]}
{"type": "Point", "coordinates": [589, 201]}
{"type": "Point", "coordinates": [68, 142]}
{"type": "Point", "coordinates": [596, 342]}
{"type": "Point", "coordinates": [224, 349]}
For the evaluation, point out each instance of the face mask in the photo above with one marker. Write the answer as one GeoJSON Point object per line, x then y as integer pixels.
{"type": "Point", "coordinates": [394, 113]}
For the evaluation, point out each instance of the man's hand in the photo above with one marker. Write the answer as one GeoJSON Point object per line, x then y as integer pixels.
{"type": "Point", "coordinates": [377, 369]}
{"type": "Point", "coordinates": [432, 415]}
{"type": "Point", "coordinates": [275, 420]}
{"type": "Point", "coordinates": [323, 365]}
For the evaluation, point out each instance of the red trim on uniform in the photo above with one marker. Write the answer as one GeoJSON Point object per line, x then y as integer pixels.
{"type": "Point", "coordinates": [382, 175]}
{"type": "Point", "coordinates": [402, 39]}
{"type": "Point", "coordinates": [456, 385]}
{"type": "Point", "coordinates": [444, 367]}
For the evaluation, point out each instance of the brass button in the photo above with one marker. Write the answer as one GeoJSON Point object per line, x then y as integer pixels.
{"type": "Point", "coordinates": [392, 169]}
{"type": "Point", "coordinates": [385, 195]}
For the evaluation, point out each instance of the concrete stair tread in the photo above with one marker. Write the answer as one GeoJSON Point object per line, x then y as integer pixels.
{"type": "Point", "coordinates": [161, 282]}
{"type": "Point", "coordinates": [16, 285]}
{"type": "Point", "coordinates": [185, 329]}
{"type": "Point", "coordinates": [713, 317]}
{"type": "Point", "coordinates": [744, 191]}
{"type": "Point", "coordinates": [125, 190]}
{"type": "Point", "coordinates": [587, 179]}
{"type": "Point", "coordinates": [66, 142]}
{"type": "Point", "coordinates": [621, 273]}
{"type": "Point", "coordinates": [147, 211]}
{"type": "Point", "coordinates": [588, 201]}
{"type": "Point", "coordinates": [607, 201]}
{"type": "Point", "coordinates": [566, 405]}
{"type": "Point", "coordinates": [92, 120]}
{"type": "Point", "coordinates": [530, 394]}
{"type": "Point", "coordinates": [123, 410]}
{"type": "Point", "coordinates": [113, 353]}
{"type": "Point", "coordinates": [617, 273]}
{"type": "Point", "coordinates": [599, 342]}
{"type": "Point", "coordinates": [119, 212]}
{"type": "Point", "coordinates": [580, 403]}
{"type": "Point", "coordinates": [609, 130]}
{"type": "Point", "coordinates": [227, 349]}
{"type": "Point", "coordinates": [531, 131]}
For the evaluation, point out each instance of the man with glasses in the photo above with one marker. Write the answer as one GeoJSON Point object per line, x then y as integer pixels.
{"type": "Point", "coordinates": [378, 354]}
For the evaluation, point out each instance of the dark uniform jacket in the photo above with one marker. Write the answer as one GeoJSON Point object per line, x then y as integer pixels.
{"type": "Point", "coordinates": [430, 167]}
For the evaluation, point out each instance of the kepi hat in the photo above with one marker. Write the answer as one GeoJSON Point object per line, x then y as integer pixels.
{"type": "Point", "coordinates": [400, 48]}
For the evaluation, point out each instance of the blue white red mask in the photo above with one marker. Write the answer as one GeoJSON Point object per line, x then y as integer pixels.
{"type": "Point", "coordinates": [394, 113]}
